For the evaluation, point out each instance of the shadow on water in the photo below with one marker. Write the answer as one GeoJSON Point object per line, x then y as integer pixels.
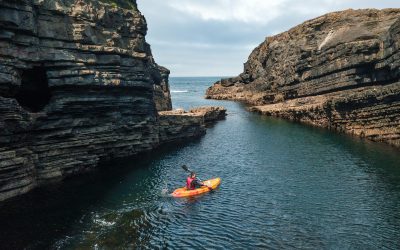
{"type": "Point", "coordinates": [376, 157]}
{"type": "Point", "coordinates": [373, 152]}
{"type": "Point", "coordinates": [37, 219]}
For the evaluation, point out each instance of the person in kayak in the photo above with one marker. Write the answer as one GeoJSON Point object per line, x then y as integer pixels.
{"type": "Point", "coordinates": [192, 182]}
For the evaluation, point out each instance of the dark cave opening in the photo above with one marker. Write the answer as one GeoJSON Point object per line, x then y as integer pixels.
{"type": "Point", "coordinates": [34, 93]}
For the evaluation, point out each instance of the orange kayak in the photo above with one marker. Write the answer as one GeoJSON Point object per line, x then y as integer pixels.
{"type": "Point", "coordinates": [184, 192]}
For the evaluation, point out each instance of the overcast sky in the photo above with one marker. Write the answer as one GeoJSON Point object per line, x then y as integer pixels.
{"type": "Point", "coordinates": [215, 37]}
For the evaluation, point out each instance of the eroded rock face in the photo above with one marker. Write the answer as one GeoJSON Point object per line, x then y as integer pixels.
{"type": "Point", "coordinates": [210, 113]}
{"type": "Point", "coordinates": [340, 70]}
{"type": "Point", "coordinates": [176, 125]}
{"type": "Point", "coordinates": [162, 95]}
{"type": "Point", "coordinates": [78, 85]}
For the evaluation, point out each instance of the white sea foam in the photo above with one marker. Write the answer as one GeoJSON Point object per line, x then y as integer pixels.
{"type": "Point", "coordinates": [179, 91]}
{"type": "Point", "coordinates": [104, 222]}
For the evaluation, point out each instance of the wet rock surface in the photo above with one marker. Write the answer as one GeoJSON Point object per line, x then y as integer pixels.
{"type": "Point", "coordinates": [340, 71]}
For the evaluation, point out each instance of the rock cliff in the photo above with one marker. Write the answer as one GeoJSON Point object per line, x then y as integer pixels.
{"type": "Point", "coordinates": [340, 70]}
{"type": "Point", "coordinates": [78, 85]}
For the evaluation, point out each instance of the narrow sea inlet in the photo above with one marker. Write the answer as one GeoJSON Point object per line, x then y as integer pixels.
{"type": "Point", "coordinates": [284, 185]}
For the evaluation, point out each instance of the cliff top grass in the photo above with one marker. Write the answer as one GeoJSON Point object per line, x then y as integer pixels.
{"type": "Point", "coordinates": [126, 4]}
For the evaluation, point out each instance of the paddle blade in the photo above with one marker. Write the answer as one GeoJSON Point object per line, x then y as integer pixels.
{"type": "Point", "coordinates": [185, 168]}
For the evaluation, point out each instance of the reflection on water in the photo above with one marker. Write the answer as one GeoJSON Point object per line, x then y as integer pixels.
{"type": "Point", "coordinates": [284, 185]}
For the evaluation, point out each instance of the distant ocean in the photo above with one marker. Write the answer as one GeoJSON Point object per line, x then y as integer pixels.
{"type": "Point", "coordinates": [188, 92]}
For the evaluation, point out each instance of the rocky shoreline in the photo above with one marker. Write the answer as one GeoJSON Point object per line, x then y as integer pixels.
{"type": "Point", "coordinates": [340, 71]}
{"type": "Point", "coordinates": [78, 86]}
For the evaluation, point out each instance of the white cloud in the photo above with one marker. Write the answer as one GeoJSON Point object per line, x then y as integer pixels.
{"type": "Point", "coordinates": [215, 37]}
{"type": "Point", "coordinates": [247, 11]}
{"type": "Point", "coordinates": [196, 45]}
{"type": "Point", "coordinates": [264, 11]}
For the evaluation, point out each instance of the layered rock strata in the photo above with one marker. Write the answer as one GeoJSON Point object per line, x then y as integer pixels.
{"type": "Point", "coordinates": [210, 114]}
{"type": "Point", "coordinates": [78, 85]}
{"type": "Point", "coordinates": [340, 70]}
{"type": "Point", "coordinates": [162, 95]}
{"type": "Point", "coordinates": [177, 125]}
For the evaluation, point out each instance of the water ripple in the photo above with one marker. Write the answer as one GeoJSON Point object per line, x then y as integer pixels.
{"type": "Point", "coordinates": [284, 186]}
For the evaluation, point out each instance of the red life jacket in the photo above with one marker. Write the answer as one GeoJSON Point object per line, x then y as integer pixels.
{"type": "Point", "coordinates": [189, 183]}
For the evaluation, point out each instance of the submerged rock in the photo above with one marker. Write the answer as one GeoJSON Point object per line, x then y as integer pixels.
{"type": "Point", "coordinates": [340, 70]}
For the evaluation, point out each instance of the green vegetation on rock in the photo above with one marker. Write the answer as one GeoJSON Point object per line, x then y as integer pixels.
{"type": "Point", "coordinates": [126, 4]}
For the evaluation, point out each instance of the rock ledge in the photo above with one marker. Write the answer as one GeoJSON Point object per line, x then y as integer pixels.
{"type": "Point", "coordinates": [177, 125]}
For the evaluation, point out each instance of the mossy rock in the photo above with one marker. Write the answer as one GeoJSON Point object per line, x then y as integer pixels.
{"type": "Point", "coordinates": [126, 4]}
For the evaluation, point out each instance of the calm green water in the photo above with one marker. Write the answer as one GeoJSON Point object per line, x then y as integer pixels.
{"type": "Point", "coordinates": [284, 186]}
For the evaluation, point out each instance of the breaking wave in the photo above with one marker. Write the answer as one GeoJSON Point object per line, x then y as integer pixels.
{"type": "Point", "coordinates": [179, 91]}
